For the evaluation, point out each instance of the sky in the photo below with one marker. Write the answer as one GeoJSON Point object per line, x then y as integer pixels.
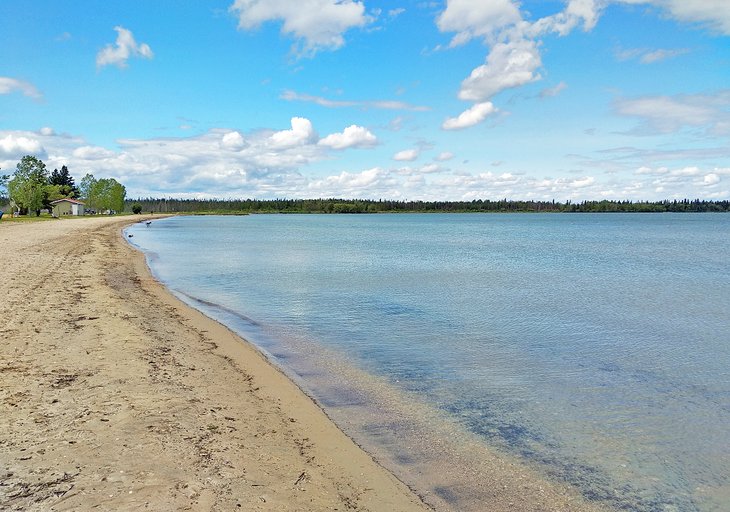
{"type": "Point", "coordinates": [408, 100]}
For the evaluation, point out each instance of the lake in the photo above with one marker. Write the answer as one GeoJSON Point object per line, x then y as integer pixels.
{"type": "Point", "coordinates": [592, 347]}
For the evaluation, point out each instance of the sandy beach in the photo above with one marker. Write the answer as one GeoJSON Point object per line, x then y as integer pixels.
{"type": "Point", "coordinates": [117, 396]}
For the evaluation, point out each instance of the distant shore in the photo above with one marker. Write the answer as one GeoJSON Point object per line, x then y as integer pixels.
{"type": "Point", "coordinates": [365, 206]}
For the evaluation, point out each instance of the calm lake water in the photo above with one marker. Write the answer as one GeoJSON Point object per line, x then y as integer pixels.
{"type": "Point", "coordinates": [594, 347]}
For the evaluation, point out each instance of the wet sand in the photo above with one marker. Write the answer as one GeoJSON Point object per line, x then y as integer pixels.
{"type": "Point", "coordinates": [117, 396]}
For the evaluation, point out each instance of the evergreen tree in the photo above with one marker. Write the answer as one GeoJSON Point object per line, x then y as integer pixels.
{"type": "Point", "coordinates": [65, 181]}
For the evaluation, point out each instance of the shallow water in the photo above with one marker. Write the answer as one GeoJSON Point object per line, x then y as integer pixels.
{"type": "Point", "coordinates": [593, 346]}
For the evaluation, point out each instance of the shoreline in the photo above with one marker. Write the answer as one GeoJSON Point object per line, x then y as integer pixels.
{"type": "Point", "coordinates": [118, 396]}
{"type": "Point", "coordinates": [154, 404]}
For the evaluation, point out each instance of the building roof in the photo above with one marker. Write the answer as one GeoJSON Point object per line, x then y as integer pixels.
{"type": "Point", "coordinates": [72, 201]}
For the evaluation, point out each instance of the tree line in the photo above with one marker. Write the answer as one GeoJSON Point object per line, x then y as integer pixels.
{"type": "Point", "coordinates": [32, 188]}
{"type": "Point", "coordinates": [241, 206]}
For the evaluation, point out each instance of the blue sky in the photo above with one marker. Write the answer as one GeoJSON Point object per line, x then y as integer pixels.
{"type": "Point", "coordinates": [457, 100]}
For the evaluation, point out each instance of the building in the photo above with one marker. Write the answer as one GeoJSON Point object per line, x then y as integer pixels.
{"type": "Point", "coordinates": [67, 207]}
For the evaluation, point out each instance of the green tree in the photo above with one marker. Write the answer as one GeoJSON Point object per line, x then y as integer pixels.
{"type": "Point", "coordinates": [65, 181]}
{"type": "Point", "coordinates": [87, 183]}
{"type": "Point", "coordinates": [104, 194]}
{"type": "Point", "coordinates": [27, 189]}
{"type": "Point", "coordinates": [54, 192]}
{"type": "Point", "coordinates": [4, 184]}
{"type": "Point", "coordinates": [136, 208]}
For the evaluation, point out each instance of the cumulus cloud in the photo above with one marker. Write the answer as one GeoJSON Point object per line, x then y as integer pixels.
{"type": "Point", "coordinates": [576, 13]}
{"type": "Point", "coordinates": [712, 14]}
{"type": "Point", "coordinates": [444, 156]}
{"type": "Point", "coordinates": [201, 166]}
{"type": "Point", "coordinates": [122, 50]}
{"type": "Point", "coordinates": [407, 155]}
{"type": "Point", "coordinates": [350, 184]}
{"type": "Point", "coordinates": [476, 19]}
{"type": "Point", "coordinates": [302, 132]}
{"type": "Point", "coordinates": [512, 61]}
{"type": "Point", "coordinates": [318, 24]}
{"type": "Point", "coordinates": [508, 65]}
{"type": "Point", "coordinates": [92, 153]}
{"type": "Point", "coordinates": [514, 57]}
{"type": "Point", "coordinates": [17, 146]}
{"type": "Point", "coordinates": [352, 136]}
{"type": "Point", "coordinates": [474, 115]}
{"type": "Point", "coordinates": [233, 141]}
{"type": "Point", "coordinates": [11, 85]}
{"type": "Point", "coordinates": [582, 182]}
{"type": "Point", "coordinates": [711, 179]}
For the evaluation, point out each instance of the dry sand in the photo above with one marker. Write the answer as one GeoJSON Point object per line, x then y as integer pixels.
{"type": "Point", "coordinates": [114, 395]}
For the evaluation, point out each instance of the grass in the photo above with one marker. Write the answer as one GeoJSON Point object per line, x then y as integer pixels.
{"type": "Point", "coordinates": [8, 217]}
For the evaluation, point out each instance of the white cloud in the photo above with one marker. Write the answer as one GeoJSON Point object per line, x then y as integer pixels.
{"type": "Point", "coordinates": [233, 141]}
{"type": "Point", "coordinates": [350, 181]}
{"type": "Point", "coordinates": [711, 179]}
{"type": "Point", "coordinates": [394, 13]}
{"type": "Point", "coordinates": [585, 12]}
{"type": "Point", "coordinates": [474, 115]}
{"type": "Point", "coordinates": [666, 114]}
{"type": "Point", "coordinates": [508, 65]}
{"type": "Point", "coordinates": [477, 19]}
{"type": "Point", "coordinates": [352, 136]}
{"type": "Point", "coordinates": [647, 56]}
{"type": "Point", "coordinates": [553, 91]}
{"type": "Point", "coordinates": [11, 85]}
{"type": "Point", "coordinates": [302, 132]}
{"type": "Point", "coordinates": [92, 153]}
{"type": "Point", "coordinates": [430, 169]}
{"type": "Point", "coordinates": [376, 104]}
{"type": "Point", "coordinates": [514, 57]}
{"type": "Point", "coordinates": [444, 156]}
{"type": "Point", "coordinates": [201, 166]}
{"type": "Point", "coordinates": [714, 14]}
{"type": "Point", "coordinates": [582, 182]}
{"type": "Point", "coordinates": [407, 155]}
{"type": "Point", "coordinates": [120, 52]}
{"type": "Point", "coordinates": [661, 54]}
{"type": "Point", "coordinates": [650, 171]}
{"type": "Point", "coordinates": [320, 24]}
{"type": "Point", "coordinates": [47, 130]}
{"type": "Point", "coordinates": [318, 100]}
{"type": "Point", "coordinates": [16, 146]}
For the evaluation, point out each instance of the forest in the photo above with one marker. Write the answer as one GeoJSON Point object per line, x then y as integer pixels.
{"type": "Point", "coordinates": [244, 206]}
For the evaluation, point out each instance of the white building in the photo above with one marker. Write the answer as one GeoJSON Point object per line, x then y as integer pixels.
{"type": "Point", "coordinates": [67, 207]}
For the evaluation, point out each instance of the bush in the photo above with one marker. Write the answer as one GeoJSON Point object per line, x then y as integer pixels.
{"type": "Point", "coordinates": [136, 208]}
